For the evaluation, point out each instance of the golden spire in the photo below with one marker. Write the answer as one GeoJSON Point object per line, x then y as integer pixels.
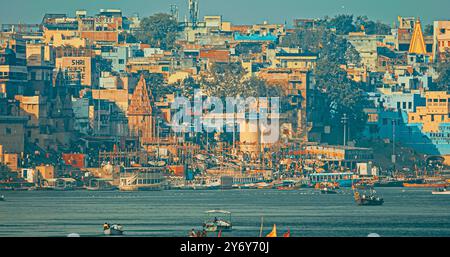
{"type": "Point", "coordinates": [417, 45]}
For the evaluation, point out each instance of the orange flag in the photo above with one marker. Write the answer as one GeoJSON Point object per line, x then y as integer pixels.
{"type": "Point", "coordinates": [287, 234]}
{"type": "Point", "coordinates": [273, 233]}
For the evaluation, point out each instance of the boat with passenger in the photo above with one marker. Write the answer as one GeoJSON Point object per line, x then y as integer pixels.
{"type": "Point", "coordinates": [112, 230]}
{"type": "Point", "coordinates": [327, 187]}
{"type": "Point", "coordinates": [367, 198]}
{"type": "Point", "coordinates": [441, 191]}
{"type": "Point", "coordinates": [218, 220]}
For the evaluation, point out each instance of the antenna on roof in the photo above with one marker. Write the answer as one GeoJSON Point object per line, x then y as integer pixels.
{"type": "Point", "coordinates": [174, 11]}
{"type": "Point", "coordinates": [193, 12]}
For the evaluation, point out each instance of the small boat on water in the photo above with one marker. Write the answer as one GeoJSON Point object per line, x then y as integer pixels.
{"type": "Point", "coordinates": [369, 198]}
{"type": "Point", "coordinates": [426, 185]}
{"type": "Point", "coordinates": [396, 182]}
{"type": "Point", "coordinates": [220, 222]}
{"type": "Point", "coordinates": [327, 187]}
{"type": "Point", "coordinates": [328, 190]}
{"type": "Point", "coordinates": [2, 198]}
{"type": "Point", "coordinates": [441, 191]}
{"type": "Point", "coordinates": [112, 230]}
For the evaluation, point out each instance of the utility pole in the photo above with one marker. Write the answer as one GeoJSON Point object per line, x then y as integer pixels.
{"type": "Point", "coordinates": [394, 123]}
{"type": "Point", "coordinates": [344, 121]}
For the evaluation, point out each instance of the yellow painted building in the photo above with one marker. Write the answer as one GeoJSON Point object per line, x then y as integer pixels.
{"type": "Point", "coordinates": [436, 111]}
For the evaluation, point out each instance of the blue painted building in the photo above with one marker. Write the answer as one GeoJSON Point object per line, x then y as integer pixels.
{"type": "Point", "coordinates": [118, 56]}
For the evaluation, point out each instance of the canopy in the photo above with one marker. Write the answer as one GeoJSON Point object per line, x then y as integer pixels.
{"type": "Point", "coordinates": [218, 211]}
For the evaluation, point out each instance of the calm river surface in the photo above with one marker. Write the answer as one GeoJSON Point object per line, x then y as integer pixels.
{"type": "Point", "coordinates": [406, 212]}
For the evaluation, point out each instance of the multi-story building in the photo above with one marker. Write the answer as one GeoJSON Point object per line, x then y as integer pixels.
{"type": "Point", "coordinates": [427, 130]}
{"type": "Point", "coordinates": [13, 64]}
{"type": "Point", "coordinates": [118, 55]}
{"type": "Point", "coordinates": [367, 47]}
{"type": "Point", "coordinates": [441, 38]}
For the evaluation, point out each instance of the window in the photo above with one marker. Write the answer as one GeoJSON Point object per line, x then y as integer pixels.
{"type": "Point", "coordinates": [409, 105]}
{"type": "Point", "coordinates": [8, 131]}
{"type": "Point", "coordinates": [121, 61]}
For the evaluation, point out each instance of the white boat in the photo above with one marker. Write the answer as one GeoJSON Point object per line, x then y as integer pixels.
{"type": "Point", "coordinates": [220, 222]}
{"type": "Point", "coordinates": [113, 230]}
{"type": "Point", "coordinates": [2, 198]}
{"type": "Point", "coordinates": [441, 191]}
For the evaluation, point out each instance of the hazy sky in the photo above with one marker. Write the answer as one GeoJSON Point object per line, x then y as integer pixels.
{"type": "Point", "coordinates": [237, 11]}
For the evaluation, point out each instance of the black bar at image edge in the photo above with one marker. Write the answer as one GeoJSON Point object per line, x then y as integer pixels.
{"type": "Point", "coordinates": [226, 246]}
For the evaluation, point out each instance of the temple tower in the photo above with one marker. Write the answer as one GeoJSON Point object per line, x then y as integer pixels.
{"type": "Point", "coordinates": [140, 113]}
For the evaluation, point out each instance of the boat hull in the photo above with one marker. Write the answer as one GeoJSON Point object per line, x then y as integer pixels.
{"type": "Point", "coordinates": [113, 232]}
{"type": "Point", "coordinates": [423, 185]}
{"type": "Point", "coordinates": [441, 193]}
{"type": "Point", "coordinates": [328, 192]}
{"type": "Point", "coordinates": [389, 184]}
{"type": "Point", "coordinates": [366, 202]}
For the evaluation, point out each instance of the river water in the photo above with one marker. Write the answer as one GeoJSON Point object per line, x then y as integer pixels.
{"type": "Point", "coordinates": [306, 212]}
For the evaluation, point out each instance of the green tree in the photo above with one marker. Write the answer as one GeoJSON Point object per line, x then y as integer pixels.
{"type": "Point", "coordinates": [343, 24]}
{"type": "Point", "coordinates": [372, 27]}
{"type": "Point", "coordinates": [156, 85]}
{"type": "Point", "coordinates": [443, 69]}
{"type": "Point", "coordinates": [187, 87]}
{"type": "Point", "coordinates": [125, 37]}
{"type": "Point", "coordinates": [159, 30]}
{"type": "Point", "coordinates": [336, 93]}
{"type": "Point", "coordinates": [223, 80]}
{"type": "Point", "coordinates": [429, 30]}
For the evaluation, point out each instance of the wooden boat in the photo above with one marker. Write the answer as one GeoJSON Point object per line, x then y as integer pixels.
{"type": "Point", "coordinates": [220, 222]}
{"type": "Point", "coordinates": [368, 198]}
{"type": "Point", "coordinates": [327, 190]}
{"type": "Point", "coordinates": [441, 191]}
{"type": "Point", "coordinates": [113, 230]}
{"type": "Point", "coordinates": [286, 188]}
{"type": "Point", "coordinates": [327, 187]}
{"type": "Point", "coordinates": [427, 185]}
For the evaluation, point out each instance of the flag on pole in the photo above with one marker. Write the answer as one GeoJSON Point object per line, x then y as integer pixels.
{"type": "Point", "coordinates": [287, 234]}
{"type": "Point", "coordinates": [273, 233]}
{"type": "Point", "coordinates": [219, 234]}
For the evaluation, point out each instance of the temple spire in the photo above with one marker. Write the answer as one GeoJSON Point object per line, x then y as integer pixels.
{"type": "Point", "coordinates": [417, 45]}
{"type": "Point", "coordinates": [140, 100]}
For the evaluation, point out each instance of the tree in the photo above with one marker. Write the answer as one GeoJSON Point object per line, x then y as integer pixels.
{"type": "Point", "coordinates": [156, 85]}
{"type": "Point", "coordinates": [338, 94]}
{"type": "Point", "coordinates": [187, 87]}
{"type": "Point", "coordinates": [429, 30]}
{"type": "Point", "coordinates": [159, 30]}
{"type": "Point", "coordinates": [343, 24]}
{"type": "Point", "coordinates": [371, 27]}
{"type": "Point", "coordinates": [443, 69]}
{"type": "Point", "coordinates": [125, 37]}
{"type": "Point", "coordinates": [223, 80]}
